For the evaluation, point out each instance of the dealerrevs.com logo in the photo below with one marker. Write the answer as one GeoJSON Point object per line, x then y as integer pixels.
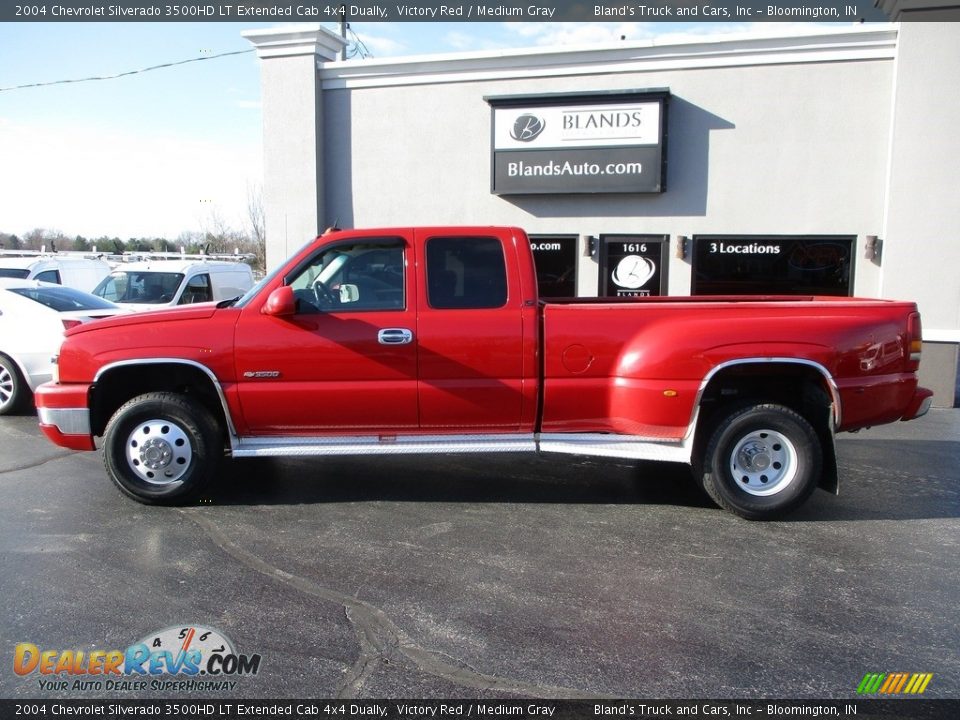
{"type": "Point", "coordinates": [178, 658]}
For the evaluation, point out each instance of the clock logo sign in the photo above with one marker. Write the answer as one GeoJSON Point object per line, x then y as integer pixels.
{"type": "Point", "coordinates": [527, 127]}
{"type": "Point", "coordinates": [633, 272]}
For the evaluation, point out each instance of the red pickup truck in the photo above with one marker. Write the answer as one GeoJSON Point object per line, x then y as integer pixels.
{"type": "Point", "coordinates": [433, 340]}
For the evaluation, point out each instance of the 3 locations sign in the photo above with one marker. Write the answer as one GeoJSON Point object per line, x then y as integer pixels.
{"type": "Point", "coordinates": [586, 143]}
{"type": "Point", "coordinates": [773, 265]}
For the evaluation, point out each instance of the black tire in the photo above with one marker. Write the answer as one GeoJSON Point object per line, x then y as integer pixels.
{"type": "Point", "coordinates": [761, 462]}
{"type": "Point", "coordinates": [162, 448]}
{"type": "Point", "coordinates": [14, 390]}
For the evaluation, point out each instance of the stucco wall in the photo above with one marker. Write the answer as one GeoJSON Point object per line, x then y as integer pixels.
{"type": "Point", "coordinates": [796, 148]}
{"type": "Point", "coordinates": [922, 234]}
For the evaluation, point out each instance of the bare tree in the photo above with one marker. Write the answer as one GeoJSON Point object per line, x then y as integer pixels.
{"type": "Point", "coordinates": [256, 227]}
{"type": "Point", "coordinates": [219, 237]}
{"type": "Point", "coordinates": [40, 238]}
{"type": "Point", "coordinates": [190, 241]}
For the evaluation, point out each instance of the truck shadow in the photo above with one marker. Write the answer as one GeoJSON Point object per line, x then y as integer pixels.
{"type": "Point", "coordinates": [872, 487]}
{"type": "Point", "coordinates": [505, 478]}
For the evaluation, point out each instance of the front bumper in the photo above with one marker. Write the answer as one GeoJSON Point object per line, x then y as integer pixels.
{"type": "Point", "coordinates": [64, 415]}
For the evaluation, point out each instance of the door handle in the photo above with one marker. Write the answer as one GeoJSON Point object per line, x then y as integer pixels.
{"type": "Point", "coordinates": [394, 336]}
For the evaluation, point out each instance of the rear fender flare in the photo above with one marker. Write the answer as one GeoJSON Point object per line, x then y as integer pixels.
{"type": "Point", "coordinates": [829, 383]}
{"type": "Point", "coordinates": [826, 431]}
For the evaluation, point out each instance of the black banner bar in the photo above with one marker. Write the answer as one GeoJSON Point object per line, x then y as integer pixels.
{"type": "Point", "coordinates": [450, 11]}
{"type": "Point", "coordinates": [519, 709]}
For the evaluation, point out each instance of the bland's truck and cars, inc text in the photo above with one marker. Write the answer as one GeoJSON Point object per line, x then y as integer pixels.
{"type": "Point", "coordinates": [433, 340]}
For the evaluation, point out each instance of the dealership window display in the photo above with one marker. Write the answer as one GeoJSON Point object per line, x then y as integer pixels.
{"type": "Point", "coordinates": [556, 260]}
{"type": "Point", "coordinates": [633, 265]}
{"type": "Point", "coordinates": [772, 265]}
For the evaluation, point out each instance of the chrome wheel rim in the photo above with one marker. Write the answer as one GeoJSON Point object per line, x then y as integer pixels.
{"type": "Point", "coordinates": [6, 386]}
{"type": "Point", "coordinates": [159, 452]}
{"type": "Point", "coordinates": [763, 462]}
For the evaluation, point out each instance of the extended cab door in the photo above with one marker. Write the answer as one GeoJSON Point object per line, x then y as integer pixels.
{"type": "Point", "coordinates": [476, 355]}
{"type": "Point", "coordinates": [346, 361]}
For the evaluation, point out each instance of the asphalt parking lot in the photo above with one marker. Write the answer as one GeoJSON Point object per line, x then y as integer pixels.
{"type": "Point", "coordinates": [495, 577]}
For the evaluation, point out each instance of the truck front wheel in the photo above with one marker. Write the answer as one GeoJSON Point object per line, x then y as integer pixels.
{"type": "Point", "coordinates": [761, 462]}
{"type": "Point", "coordinates": [162, 448]}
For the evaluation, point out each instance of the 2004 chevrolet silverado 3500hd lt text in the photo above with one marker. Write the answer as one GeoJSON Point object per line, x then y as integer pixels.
{"type": "Point", "coordinates": [433, 340]}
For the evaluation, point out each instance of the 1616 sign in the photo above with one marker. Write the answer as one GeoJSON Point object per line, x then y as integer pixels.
{"type": "Point", "coordinates": [633, 265]}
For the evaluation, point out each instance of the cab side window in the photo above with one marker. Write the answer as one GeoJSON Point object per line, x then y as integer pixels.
{"type": "Point", "coordinates": [112, 288]}
{"type": "Point", "coordinates": [50, 276]}
{"type": "Point", "coordinates": [466, 273]}
{"type": "Point", "coordinates": [197, 290]}
{"type": "Point", "coordinates": [367, 275]}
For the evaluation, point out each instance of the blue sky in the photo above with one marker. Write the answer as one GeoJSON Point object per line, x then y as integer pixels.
{"type": "Point", "coordinates": [173, 150]}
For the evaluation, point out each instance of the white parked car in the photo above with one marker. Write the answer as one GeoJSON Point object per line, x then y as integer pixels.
{"type": "Point", "coordinates": [166, 283]}
{"type": "Point", "coordinates": [33, 317]}
{"type": "Point", "coordinates": [76, 272]}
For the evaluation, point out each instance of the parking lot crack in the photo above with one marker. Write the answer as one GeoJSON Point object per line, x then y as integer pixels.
{"type": "Point", "coordinates": [372, 653]}
{"type": "Point", "coordinates": [379, 638]}
{"type": "Point", "coordinates": [37, 463]}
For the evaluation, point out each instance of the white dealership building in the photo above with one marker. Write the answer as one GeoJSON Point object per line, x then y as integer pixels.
{"type": "Point", "coordinates": [819, 161]}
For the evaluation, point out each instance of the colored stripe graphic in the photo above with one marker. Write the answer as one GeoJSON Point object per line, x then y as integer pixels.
{"type": "Point", "coordinates": [894, 683]}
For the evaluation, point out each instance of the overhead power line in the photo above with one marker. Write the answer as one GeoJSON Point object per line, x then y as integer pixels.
{"type": "Point", "coordinates": [128, 72]}
{"type": "Point", "coordinates": [357, 47]}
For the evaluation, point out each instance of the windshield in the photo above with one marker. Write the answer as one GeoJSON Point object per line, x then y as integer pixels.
{"type": "Point", "coordinates": [63, 299]}
{"type": "Point", "coordinates": [252, 292]}
{"type": "Point", "coordinates": [20, 273]}
{"type": "Point", "coordinates": [140, 286]}
{"type": "Point", "coordinates": [256, 288]}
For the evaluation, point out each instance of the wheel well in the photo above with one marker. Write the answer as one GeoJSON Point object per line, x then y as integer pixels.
{"type": "Point", "coordinates": [20, 378]}
{"type": "Point", "coordinates": [16, 368]}
{"type": "Point", "coordinates": [800, 387]}
{"type": "Point", "coordinates": [123, 383]}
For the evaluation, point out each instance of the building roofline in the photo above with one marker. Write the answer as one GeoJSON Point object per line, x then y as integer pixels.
{"type": "Point", "coordinates": [858, 42]}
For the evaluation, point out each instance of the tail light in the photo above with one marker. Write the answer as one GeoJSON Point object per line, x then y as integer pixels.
{"type": "Point", "coordinates": [67, 324]}
{"type": "Point", "coordinates": [914, 341]}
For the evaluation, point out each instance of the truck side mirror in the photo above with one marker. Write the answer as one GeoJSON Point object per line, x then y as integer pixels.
{"type": "Point", "coordinates": [349, 293]}
{"type": "Point", "coordinates": [281, 302]}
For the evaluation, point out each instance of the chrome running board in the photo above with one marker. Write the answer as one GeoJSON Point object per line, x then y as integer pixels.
{"type": "Point", "coordinates": [630, 447]}
{"type": "Point", "coordinates": [381, 445]}
{"type": "Point", "coordinates": [596, 444]}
